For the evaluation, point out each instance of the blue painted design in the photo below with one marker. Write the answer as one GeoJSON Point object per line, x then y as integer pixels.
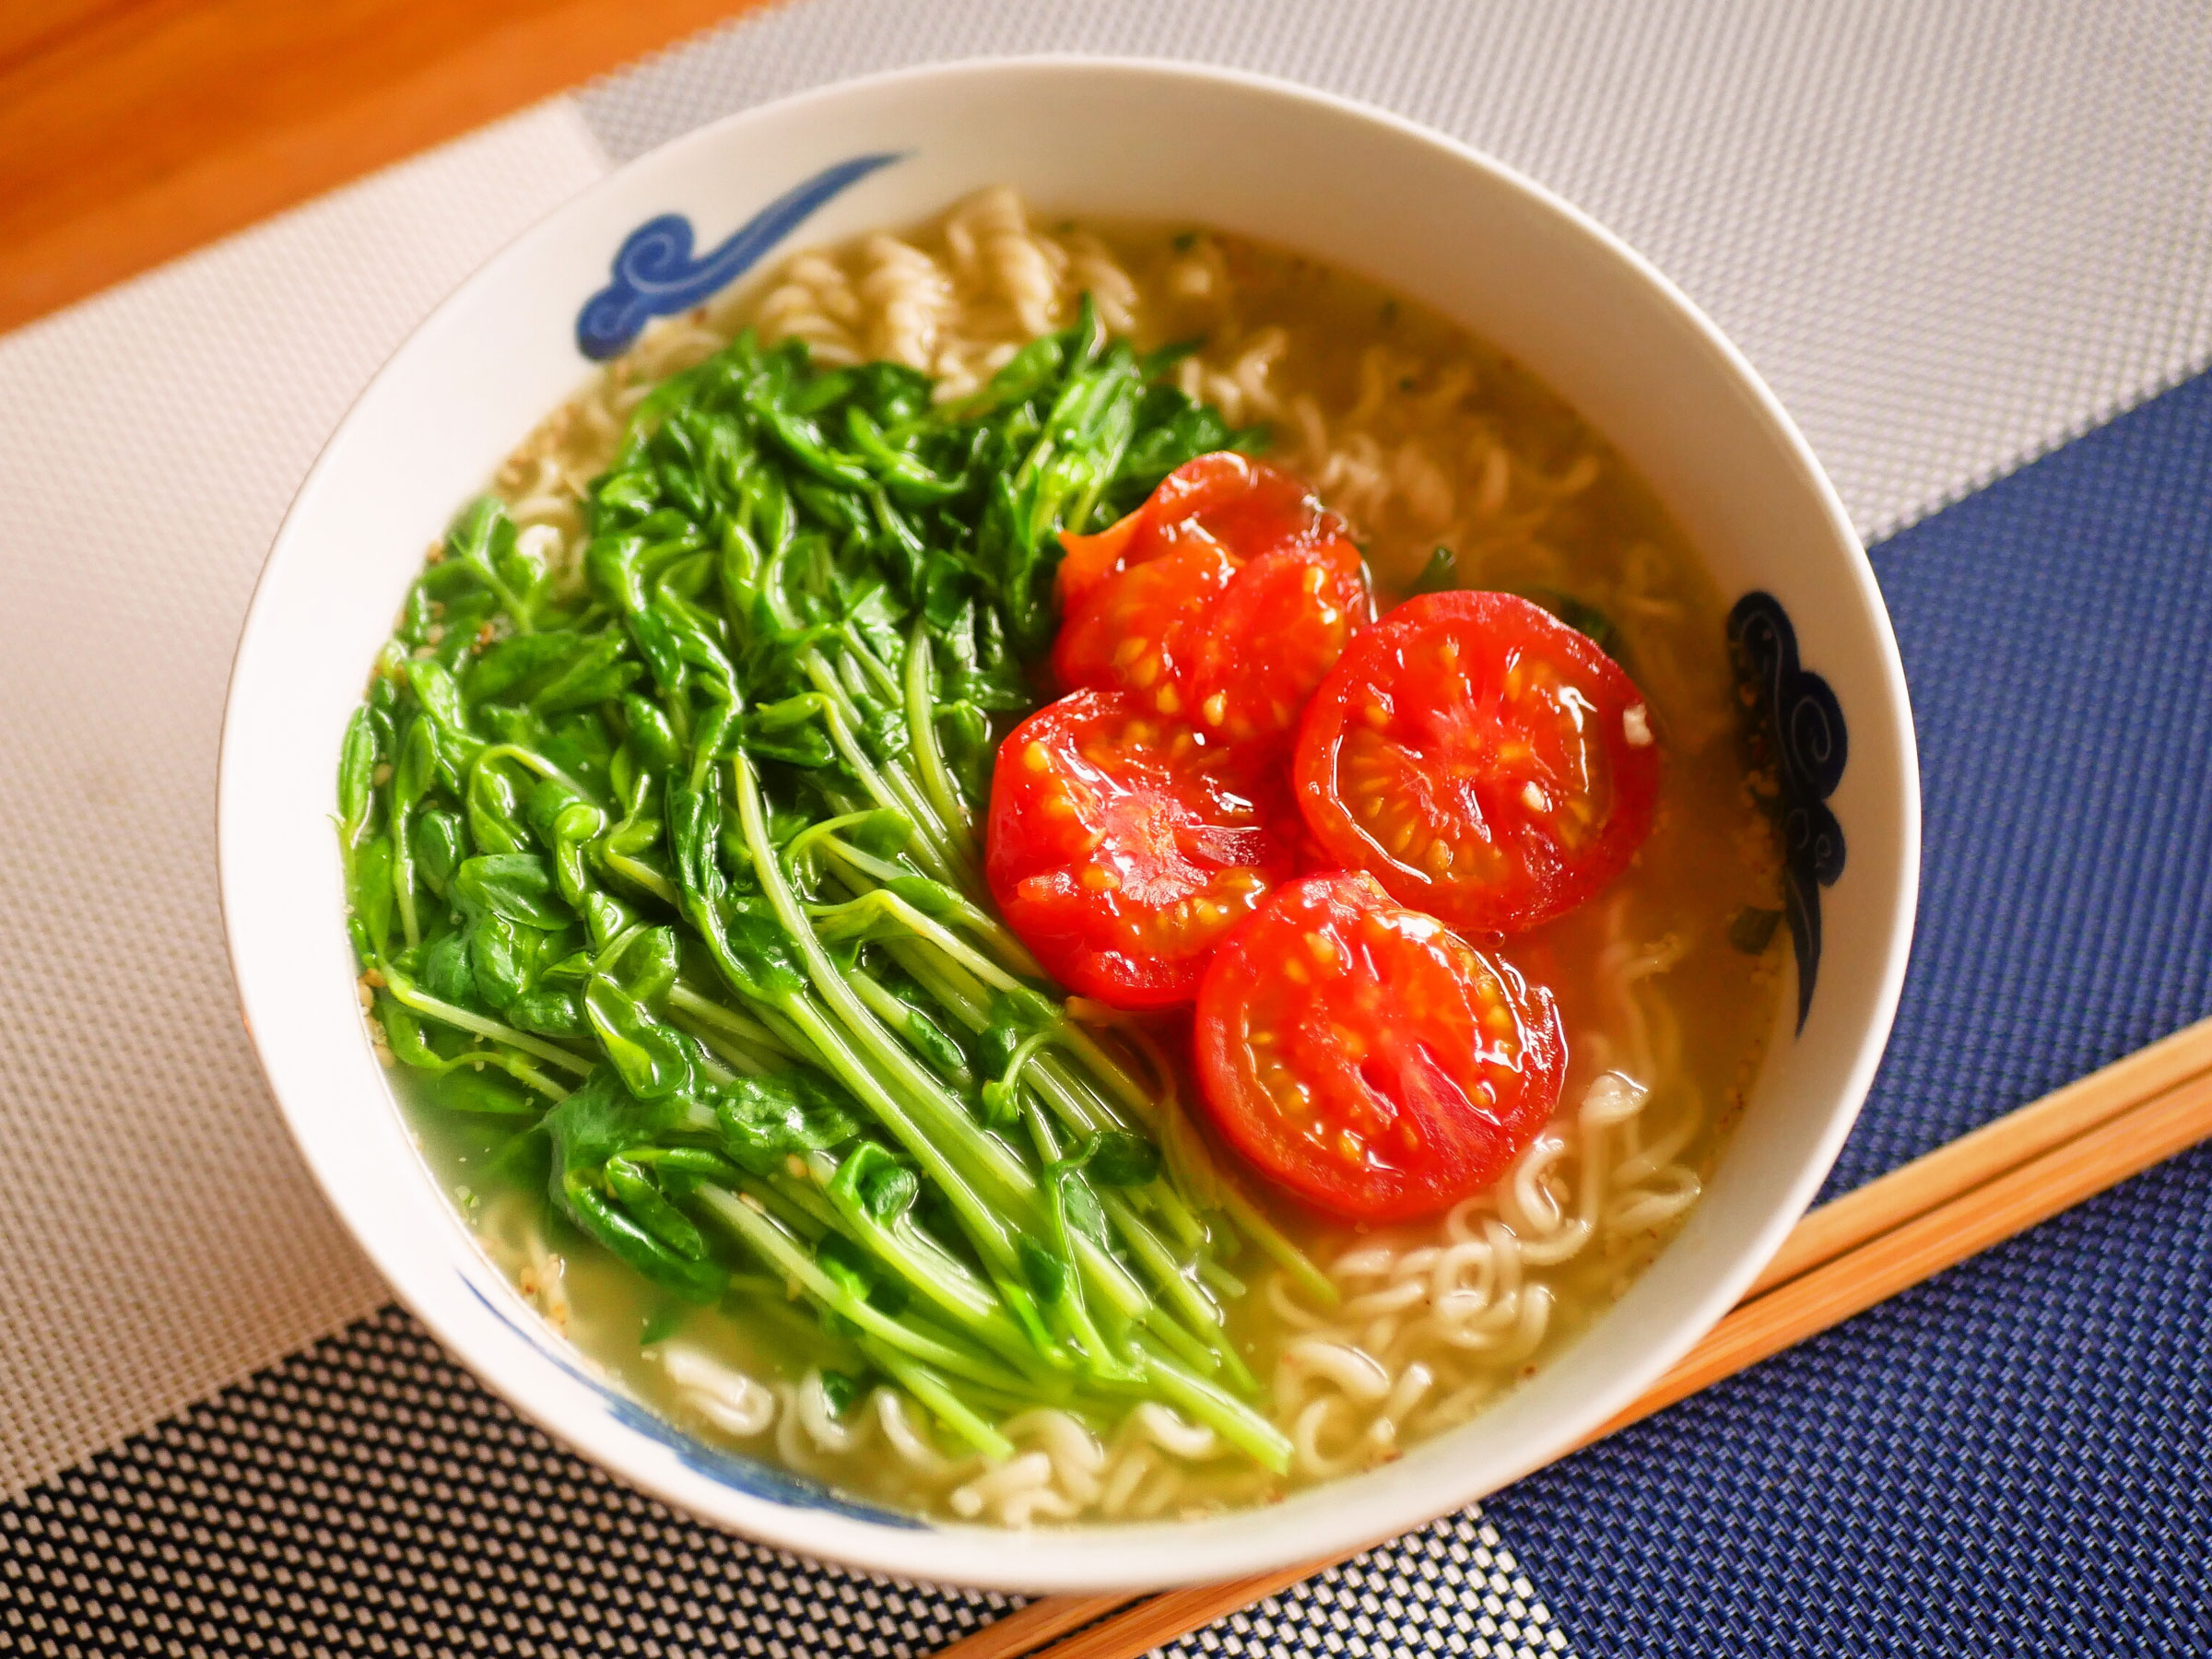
{"type": "Point", "coordinates": [656, 275]}
{"type": "Point", "coordinates": [739, 1474]}
{"type": "Point", "coordinates": [1800, 725]}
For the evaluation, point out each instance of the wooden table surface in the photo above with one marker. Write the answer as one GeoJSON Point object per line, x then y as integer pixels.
{"type": "Point", "coordinates": [132, 131]}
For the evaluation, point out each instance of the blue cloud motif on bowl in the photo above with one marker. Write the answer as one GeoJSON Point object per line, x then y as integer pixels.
{"type": "Point", "coordinates": [740, 1474]}
{"type": "Point", "coordinates": [1801, 725]}
{"type": "Point", "coordinates": [655, 273]}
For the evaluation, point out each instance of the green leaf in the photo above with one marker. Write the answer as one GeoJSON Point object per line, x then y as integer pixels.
{"type": "Point", "coordinates": [654, 1060]}
{"type": "Point", "coordinates": [803, 441]}
{"type": "Point", "coordinates": [651, 735]}
{"type": "Point", "coordinates": [369, 888]}
{"type": "Point", "coordinates": [841, 1390]}
{"type": "Point", "coordinates": [584, 676]}
{"type": "Point", "coordinates": [417, 768]}
{"type": "Point", "coordinates": [520, 665]}
{"type": "Point", "coordinates": [502, 957]}
{"type": "Point", "coordinates": [439, 845]}
{"type": "Point", "coordinates": [1753, 929]}
{"type": "Point", "coordinates": [1583, 618]}
{"type": "Point", "coordinates": [934, 1044]}
{"type": "Point", "coordinates": [766, 1118]}
{"type": "Point", "coordinates": [1116, 1158]}
{"type": "Point", "coordinates": [1440, 575]}
{"type": "Point", "coordinates": [702, 1282]}
{"type": "Point", "coordinates": [885, 832]}
{"type": "Point", "coordinates": [494, 821]}
{"type": "Point", "coordinates": [1026, 373]}
{"type": "Point", "coordinates": [357, 766]}
{"type": "Point", "coordinates": [518, 886]}
{"type": "Point", "coordinates": [887, 1191]}
{"type": "Point", "coordinates": [1080, 1207]}
{"type": "Point", "coordinates": [663, 1323]}
{"type": "Point", "coordinates": [441, 699]}
{"type": "Point", "coordinates": [550, 1012]}
{"type": "Point", "coordinates": [1045, 1273]}
{"type": "Point", "coordinates": [486, 1093]}
{"type": "Point", "coordinates": [642, 1198]}
{"type": "Point", "coordinates": [602, 1118]}
{"type": "Point", "coordinates": [445, 971]}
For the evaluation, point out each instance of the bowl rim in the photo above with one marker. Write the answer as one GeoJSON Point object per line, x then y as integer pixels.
{"type": "Point", "coordinates": [1096, 1556]}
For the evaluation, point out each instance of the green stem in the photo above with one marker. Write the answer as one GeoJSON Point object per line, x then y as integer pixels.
{"type": "Point", "coordinates": [782, 1252]}
{"type": "Point", "coordinates": [408, 995]}
{"type": "Point", "coordinates": [921, 741]}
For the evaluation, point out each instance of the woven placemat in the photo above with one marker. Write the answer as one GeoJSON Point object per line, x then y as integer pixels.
{"type": "Point", "coordinates": [2012, 1458]}
{"type": "Point", "coordinates": [1949, 235]}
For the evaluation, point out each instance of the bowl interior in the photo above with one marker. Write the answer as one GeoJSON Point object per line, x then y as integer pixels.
{"type": "Point", "coordinates": [1121, 140]}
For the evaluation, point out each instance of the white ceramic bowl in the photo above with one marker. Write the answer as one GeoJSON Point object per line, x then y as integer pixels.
{"type": "Point", "coordinates": [1361, 189]}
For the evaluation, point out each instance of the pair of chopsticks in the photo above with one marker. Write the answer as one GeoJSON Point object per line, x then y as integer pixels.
{"type": "Point", "coordinates": [1842, 1259]}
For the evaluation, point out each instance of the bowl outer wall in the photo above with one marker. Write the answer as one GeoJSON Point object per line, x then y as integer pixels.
{"type": "Point", "coordinates": [1362, 189]}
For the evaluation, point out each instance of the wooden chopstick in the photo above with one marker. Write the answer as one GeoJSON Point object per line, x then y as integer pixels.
{"type": "Point", "coordinates": [1028, 1629]}
{"type": "Point", "coordinates": [1891, 1234]}
{"type": "Point", "coordinates": [1989, 1151]}
{"type": "Point", "coordinates": [2125, 1144]}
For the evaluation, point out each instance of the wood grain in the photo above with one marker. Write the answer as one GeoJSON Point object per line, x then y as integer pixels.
{"type": "Point", "coordinates": [1894, 1233]}
{"type": "Point", "coordinates": [2125, 1144]}
{"type": "Point", "coordinates": [1996, 1147]}
{"type": "Point", "coordinates": [1026, 1630]}
{"type": "Point", "coordinates": [132, 131]}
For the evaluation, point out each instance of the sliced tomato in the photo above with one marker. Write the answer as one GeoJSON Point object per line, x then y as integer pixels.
{"type": "Point", "coordinates": [1123, 847]}
{"type": "Point", "coordinates": [1141, 628]}
{"type": "Point", "coordinates": [1223, 600]}
{"type": "Point", "coordinates": [1369, 1060]}
{"type": "Point", "coordinates": [1483, 760]}
{"type": "Point", "coordinates": [1272, 637]}
{"type": "Point", "coordinates": [1224, 498]}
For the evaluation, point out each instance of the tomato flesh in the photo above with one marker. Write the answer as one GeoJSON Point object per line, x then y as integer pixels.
{"type": "Point", "coordinates": [1223, 600]}
{"type": "Point", "coordinates": [1121, 847]}
{"type": "Point", "coordinates": [1222, 498]}
{"type": "Point", "coordinates": [1482, 759]}
{"type": "Point", "coordinates": [1142, 628]}
{"type": "Point", "coordinates": [1369, 1060]}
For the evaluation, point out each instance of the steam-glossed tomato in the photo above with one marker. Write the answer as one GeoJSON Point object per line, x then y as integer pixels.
{"type": "Point", "coordinates": [1122, 846]}
{"type": "Point", "coordinates": [1222, 600]}
{"type": "Point", "coordinates": [1368, 1059]}
{"type": "Point", "coordinates": [1481, 759]}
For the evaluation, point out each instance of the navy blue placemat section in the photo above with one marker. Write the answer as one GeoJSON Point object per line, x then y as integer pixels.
{"type": "Point", "coordinates": [2016, 1458]}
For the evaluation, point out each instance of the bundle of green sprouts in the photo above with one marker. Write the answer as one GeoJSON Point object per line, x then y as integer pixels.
{"type": "Point", "coordinates": [672, 860]}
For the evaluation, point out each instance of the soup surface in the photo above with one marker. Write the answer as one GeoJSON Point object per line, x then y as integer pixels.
{"type": "Point", "coordinates": [1453, 467]}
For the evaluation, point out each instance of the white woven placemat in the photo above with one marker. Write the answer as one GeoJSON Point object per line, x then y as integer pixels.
{"type": "Point", "coordinates": [159, 1236]}
{"type": "Point", "coordinates": [1951, 235]}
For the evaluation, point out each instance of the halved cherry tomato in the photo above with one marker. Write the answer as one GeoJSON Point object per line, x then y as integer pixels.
{"type": "Point", "coordinates": [1483, 760]}
{"type": "Point", "coordinates": [1222, 600]}
{"type": "Point", "coordinates": [1139, 630]}
{"type": "Point", "coordinates": [1123, 847]}
{"type": "Point", "coordinates": [1223, 498]}
{"type": "Point", "coordinates": [1367, 1058]}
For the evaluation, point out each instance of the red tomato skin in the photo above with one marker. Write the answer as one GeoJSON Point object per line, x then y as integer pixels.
{"type": "Point", "coordinates": [1222, 497]}
{"type": "Point", "coordinates": [1443, 1060]}
{"type": "Point", "coordinates": [1171, 819]}
{"type": "Point", "coordinates": [1223, 600]}
{"type": "Point", "coordinates": [1141, 628]}
{"type": "Point", "coordinates": [1529, 874]}
{"type": "Point", "coordinates": [1273, 636]}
